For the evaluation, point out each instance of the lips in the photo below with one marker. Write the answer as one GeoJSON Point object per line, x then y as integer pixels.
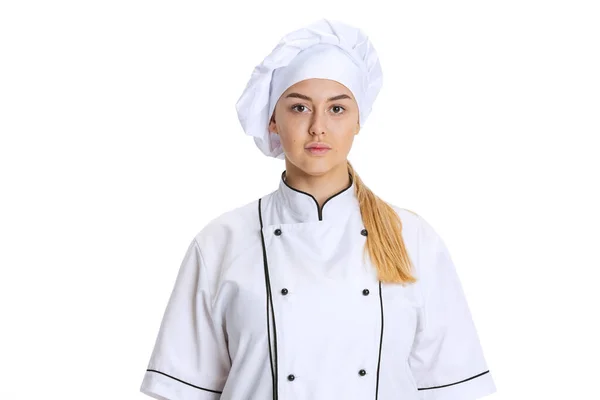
{"type": "Point", "coordinates": [318, 151]}
{"type": "Point", "coordinates": [318, 147]}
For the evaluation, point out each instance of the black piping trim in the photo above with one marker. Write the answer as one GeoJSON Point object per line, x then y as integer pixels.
{"type": "Point", "coordinates": [189, 384]}
{"type": "Point", "coordinates": [319, 209]}
{"type": "Point", "coordinates": [455, 383]}
{"type": "Point", "coordinates": [274, 369]}
{"type": "Point", "coordinates": [380, 342]}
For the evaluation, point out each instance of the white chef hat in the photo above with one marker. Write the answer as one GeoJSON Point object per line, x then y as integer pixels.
{"type": "Point", "coordinates": [325, 49]}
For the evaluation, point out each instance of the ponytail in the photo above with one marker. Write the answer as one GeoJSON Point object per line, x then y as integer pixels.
{"type": "Point", "coordinates": [384, 244]}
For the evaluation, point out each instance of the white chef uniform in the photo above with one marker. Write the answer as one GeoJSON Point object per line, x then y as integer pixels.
{"type": "Point", "coordinates": [274, 300]}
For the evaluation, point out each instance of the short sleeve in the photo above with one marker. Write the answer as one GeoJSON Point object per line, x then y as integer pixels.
{"type": "Point", "coordinates": [446, 360]}
{"type": "Point", "coordinates": [190, 360]}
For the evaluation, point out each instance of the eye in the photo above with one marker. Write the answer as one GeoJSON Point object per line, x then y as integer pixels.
{"type": "Point", "coordinates": [298, 105]}
{"type": "Point", "coordinates": [338, 107]}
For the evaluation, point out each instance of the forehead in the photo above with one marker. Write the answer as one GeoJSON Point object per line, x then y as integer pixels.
{"type": "Point", "coordinates": [319, 86]}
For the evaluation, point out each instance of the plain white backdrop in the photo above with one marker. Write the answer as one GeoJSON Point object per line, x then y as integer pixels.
{"type": "Point", "coordinates": [119, 141]}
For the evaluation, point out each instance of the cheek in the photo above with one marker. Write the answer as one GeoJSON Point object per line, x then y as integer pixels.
{"type": "Point", "coordinates": [344, 144]}
{"type": "Point", "coordinates": [292, 133]}
{"type": "Point", "coordinates": [291, 141]}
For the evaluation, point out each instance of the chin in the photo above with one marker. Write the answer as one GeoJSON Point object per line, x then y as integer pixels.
{"type": "Point", "coordinates": [315, 167]}
{"type": "Point", "coordinates": [312, 165]}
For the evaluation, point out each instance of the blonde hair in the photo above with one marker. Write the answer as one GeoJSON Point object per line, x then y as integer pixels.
{"type": "Point", "coordinates": [384, 243]}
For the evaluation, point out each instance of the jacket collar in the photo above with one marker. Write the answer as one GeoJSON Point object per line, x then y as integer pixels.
{"type": "Point", "coordinates": [305, 207]}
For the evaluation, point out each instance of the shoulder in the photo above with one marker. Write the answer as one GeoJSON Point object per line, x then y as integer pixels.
{"type": "Point", "coordinates": [416, 223]}
{"type": "Point", "coordinates": [229, 227]}
{"type": "Point", "coordinates": [230, 234]}
{"type": "Point", "coordinates": [421, 238]}
{"type": "Point", "coordinates": [426, 247]}
{"type": "Point", "coordinates": [410, 220]}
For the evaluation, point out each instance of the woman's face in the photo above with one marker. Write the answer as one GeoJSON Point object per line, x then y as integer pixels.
{"type": "Point", "coordinates": [316, 110]}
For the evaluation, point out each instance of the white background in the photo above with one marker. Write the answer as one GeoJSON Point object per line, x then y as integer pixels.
{"type": "Point", "coordinates": [120, 140]}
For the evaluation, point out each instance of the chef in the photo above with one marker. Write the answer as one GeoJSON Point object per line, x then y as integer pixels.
{"type": "Point", "coordinates": [318, 290]}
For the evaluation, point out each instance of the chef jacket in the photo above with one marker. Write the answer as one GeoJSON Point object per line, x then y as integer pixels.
{"type": "Point", "coordinates": [276, 300]}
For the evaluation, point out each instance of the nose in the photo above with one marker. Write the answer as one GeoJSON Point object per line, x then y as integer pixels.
{"type": "Point", "coordinates": [318, 125]}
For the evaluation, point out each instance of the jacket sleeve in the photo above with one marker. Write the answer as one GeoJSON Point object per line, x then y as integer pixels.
{"type": "Point", "coordinates": [190, 360]}
{"type": "Point", "coordinates": [446, 360]}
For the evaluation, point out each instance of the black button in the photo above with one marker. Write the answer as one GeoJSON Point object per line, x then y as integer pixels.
{"type": "Point", "coordinates": [366, 292]}
{"type": "Point", "coordinates": [284, 291]}
{"type": "Point", "coordinates": [291, 377]}
{"type": "Point", "coordinates": [362, 372]}
{"type": "Point", "coordinates": [363, 232]}
{"type": "Point", "coordinates": [277, 231]}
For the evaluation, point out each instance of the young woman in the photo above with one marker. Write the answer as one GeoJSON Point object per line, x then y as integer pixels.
{"type": "Point", "coordinates": [319, 290]}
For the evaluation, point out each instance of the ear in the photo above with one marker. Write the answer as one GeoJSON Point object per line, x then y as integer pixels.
{"type": "Point", "coordinates": [357, 128]}
{"type": "Point", "coordinates": [273, 125]}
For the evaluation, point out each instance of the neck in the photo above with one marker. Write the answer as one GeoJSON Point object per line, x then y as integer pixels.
{"type": "Point", "coordinates": [322, 186]}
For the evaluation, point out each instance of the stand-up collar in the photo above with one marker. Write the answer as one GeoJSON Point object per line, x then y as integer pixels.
{"type": "Point", "coordinates": [306, 208]}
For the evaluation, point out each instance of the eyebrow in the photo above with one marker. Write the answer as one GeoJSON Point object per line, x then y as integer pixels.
{"type": "Point", "coordinates": [334, 98]}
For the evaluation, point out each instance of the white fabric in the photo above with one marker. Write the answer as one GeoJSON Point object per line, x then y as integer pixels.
{"type": "Point", "coordinates": [326, 49]}
{"type": "Point", "coordinates": [323, 61]}
{"type": "Point", "coordinates": [213, 341]}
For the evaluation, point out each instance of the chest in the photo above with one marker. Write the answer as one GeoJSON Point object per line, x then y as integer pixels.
{"type": "Point", "coordinates": [312, 293]}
